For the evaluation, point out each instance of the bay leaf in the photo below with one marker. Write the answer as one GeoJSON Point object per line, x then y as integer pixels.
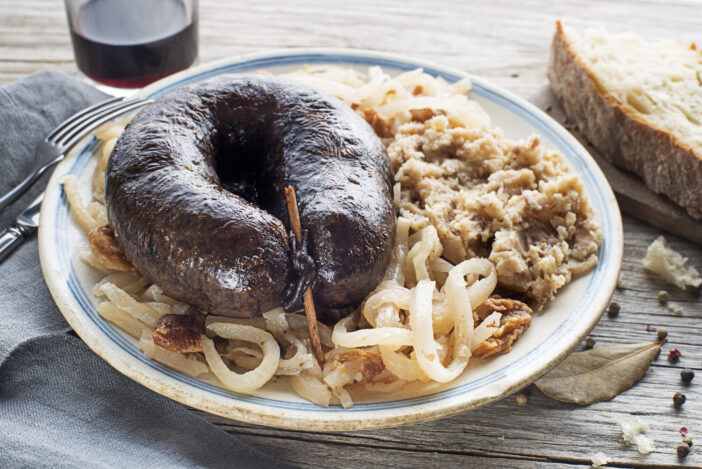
{"type": "Point", "coordinates": [598, 374]}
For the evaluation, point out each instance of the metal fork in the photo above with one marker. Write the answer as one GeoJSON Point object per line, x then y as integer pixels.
{"type": "Point", "coordinates": [68, 133]}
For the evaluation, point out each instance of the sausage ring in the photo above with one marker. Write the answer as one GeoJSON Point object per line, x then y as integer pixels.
{"type": "Point", "coordinates": [194, 190]}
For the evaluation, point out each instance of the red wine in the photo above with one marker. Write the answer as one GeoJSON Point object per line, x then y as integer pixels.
{"type": "Point", "coordinates": [131, 43]}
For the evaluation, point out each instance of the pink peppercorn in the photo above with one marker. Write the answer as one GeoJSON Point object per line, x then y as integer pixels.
{"type": "Point", "coordinates": [674, 355]}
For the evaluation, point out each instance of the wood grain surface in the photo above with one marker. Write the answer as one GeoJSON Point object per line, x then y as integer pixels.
{"type": "Point", "coordinates": [506, 42]}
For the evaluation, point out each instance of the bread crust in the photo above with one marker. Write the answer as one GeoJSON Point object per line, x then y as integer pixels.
{"type": "Point", "coordinates": [621, 134]}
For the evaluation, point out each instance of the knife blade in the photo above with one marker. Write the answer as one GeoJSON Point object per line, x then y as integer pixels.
{"type": "Point", "coordinates": [24, 227]}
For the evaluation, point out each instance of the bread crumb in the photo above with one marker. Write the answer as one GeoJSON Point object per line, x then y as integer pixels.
{"type": "Point", "coordinates": [620, 281]}
{"type": "Point", "coordinates": [599, 459]}
{"type": "Point", "coordinates": [670, 264]}
{"type": "Point", "coordinates": [632, 432]}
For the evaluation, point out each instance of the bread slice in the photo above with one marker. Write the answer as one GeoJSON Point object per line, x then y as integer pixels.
{"type": "Point", "coordinates": [639, 103]}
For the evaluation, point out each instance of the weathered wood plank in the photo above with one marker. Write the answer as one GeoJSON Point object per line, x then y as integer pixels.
{"type": "Point", "coordinates": [454, 32]}
{"type": "Point", "coordinates": [342, 456]}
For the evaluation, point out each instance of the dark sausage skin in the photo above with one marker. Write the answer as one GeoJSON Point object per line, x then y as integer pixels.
{"type": "Point", "coordinates": [195, 193]}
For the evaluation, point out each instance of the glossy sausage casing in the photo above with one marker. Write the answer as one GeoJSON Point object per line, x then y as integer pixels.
{"type": "Point", "coordinates": [195, 193]}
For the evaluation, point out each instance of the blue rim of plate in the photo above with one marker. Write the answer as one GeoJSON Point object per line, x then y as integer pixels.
{"type": "Point", "coordinates": [565, 145]}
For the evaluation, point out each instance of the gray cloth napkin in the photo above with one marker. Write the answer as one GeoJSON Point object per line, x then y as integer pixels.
{"type": "Point", "coordinates": [60, 404]}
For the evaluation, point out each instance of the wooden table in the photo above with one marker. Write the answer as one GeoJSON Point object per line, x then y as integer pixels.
{"type": "Point", "coordinates": [506, 42]}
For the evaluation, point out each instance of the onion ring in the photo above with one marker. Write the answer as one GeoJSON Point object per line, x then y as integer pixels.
{"type": "Point", "coordinates": [251, 380]}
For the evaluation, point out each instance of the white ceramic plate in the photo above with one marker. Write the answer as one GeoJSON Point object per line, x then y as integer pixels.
{"type": "Point", "coordinates": [553, 333]}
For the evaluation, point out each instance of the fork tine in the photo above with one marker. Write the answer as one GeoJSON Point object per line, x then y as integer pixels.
{"type": "Point", "coordinates": [101, 118]}
{"type": "Point", "coordinates": [77, 116]}
{"type": "Point", "coordinates": [76, 120]}
{"type": "Point", "coordinates": [66, 134]}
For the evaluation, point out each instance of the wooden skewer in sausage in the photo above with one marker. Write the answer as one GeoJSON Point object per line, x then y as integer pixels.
{"type": "Point", "coordinates": [310, 312]}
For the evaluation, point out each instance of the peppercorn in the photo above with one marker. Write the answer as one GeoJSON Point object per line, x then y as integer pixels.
{"type": "Point", "coordinates": [662, 333]}
{"type": "Point", "coordinates": [674, 355]}
{"type": "Point", "coordinates": [686, 375]}
{"type": "Point", "coordinates": [683, 431]}
{"type": "Point", "coordinates": [679, 399]}
{"type": "Point", "coordinates": [683, 450]}
{"type": "Point", "coordinates": [688, 440]}
{"type": "Point", "coordinates": [590, 342]}
{"type": "Point", "coordinates": [614, 309]}
{"type": "Point", "coordinates": [522, 398]}
{"type": "Point", "coordinates": [663, 296]}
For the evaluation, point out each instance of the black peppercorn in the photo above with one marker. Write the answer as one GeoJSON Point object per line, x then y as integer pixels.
{"type": "Point", "coordinates": [590, 342]}
{"type": "Point", "coordinates": [679, 399]}
{"type": "Point", "coordinates": [683, 450]}
{"type": "Point", "coordinates": [688, 440]}
{"type": "Point", "coordinates": [614, 309]}
{"type": "Point", "coordinates": [686, 375]}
